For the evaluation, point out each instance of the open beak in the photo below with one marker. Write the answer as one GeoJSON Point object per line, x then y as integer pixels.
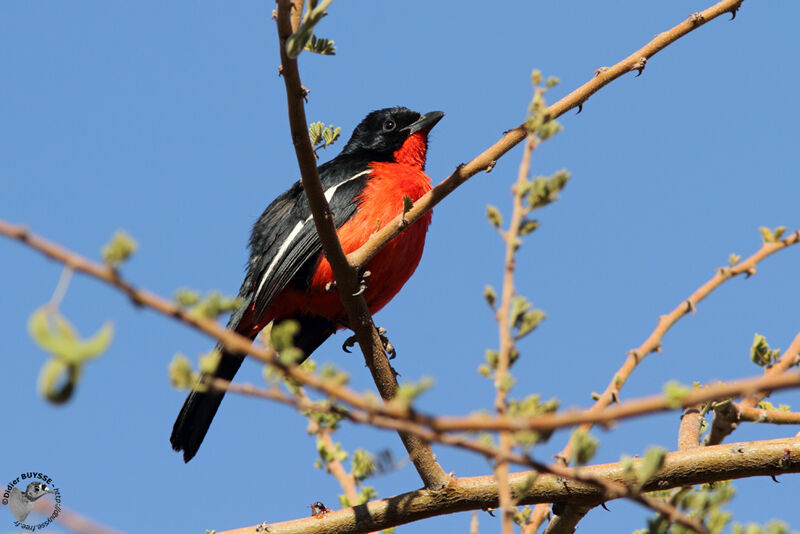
{"type": "Point", "coordinates": [424, 123]}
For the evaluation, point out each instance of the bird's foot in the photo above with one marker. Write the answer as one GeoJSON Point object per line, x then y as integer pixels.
{"type": "Point", "coordinates": [387, 346]}
{"type": "Point", "coordinates": [330, 287]}
{"type": "Point", "coordinates": [362, 283]}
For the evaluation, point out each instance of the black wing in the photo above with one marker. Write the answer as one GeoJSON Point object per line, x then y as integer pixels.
{"type": "Point", "coordinates": [284, 239]}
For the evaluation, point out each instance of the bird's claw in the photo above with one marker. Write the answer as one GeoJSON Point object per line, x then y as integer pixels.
{"type": "Point", "coordinates": [348, 343]}
{"type": "Point", "coordinates": [387, 346]}
{"type": "Point", "coordinates": [362, 283]}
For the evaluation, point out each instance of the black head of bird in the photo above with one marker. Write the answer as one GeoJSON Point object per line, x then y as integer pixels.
{"type": "Point", "coordinates": [384, 131]}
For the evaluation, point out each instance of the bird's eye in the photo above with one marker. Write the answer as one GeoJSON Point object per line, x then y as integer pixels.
{"type": "Point", "coordinates": [389, 125]}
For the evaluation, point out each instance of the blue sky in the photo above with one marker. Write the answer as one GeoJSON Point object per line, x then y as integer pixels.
{"type": "Point", "coordinates": [168, 120]}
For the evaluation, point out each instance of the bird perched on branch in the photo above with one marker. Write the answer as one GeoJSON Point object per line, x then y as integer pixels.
{"type": "Point", "coordinates": [288, 276]}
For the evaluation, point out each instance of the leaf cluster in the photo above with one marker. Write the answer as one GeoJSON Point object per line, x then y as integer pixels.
{"type": "Point", "coordinates": [69, 352]}
{"type": "Point", "coordinates": [322, 136]}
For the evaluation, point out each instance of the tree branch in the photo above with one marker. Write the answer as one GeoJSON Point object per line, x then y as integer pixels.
{"type": "Point", "coordinates": [575, 99]}
{"type": "Point", "coordinates": [726, 417]}
{"type": "Point", "coordinates": [681, 468]}
{"type": "Point", "coordinates": [502, 377]}
{"type": "Point", "coordinates": [359, 317]}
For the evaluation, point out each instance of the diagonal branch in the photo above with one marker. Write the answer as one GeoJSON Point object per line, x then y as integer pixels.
{"type": "Point", "coordinates": [359, 317]}
{"type": "Point", "coordinates": [487, 159]}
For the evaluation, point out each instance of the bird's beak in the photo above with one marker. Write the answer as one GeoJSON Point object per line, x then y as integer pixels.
{"type": "Point", "coordinates": [424, 123]}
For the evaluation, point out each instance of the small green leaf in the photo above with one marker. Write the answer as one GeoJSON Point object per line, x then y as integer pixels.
{"type": "Point", "coordinates": [180, 372]}
{"type": "Point", "coordinates": [506, 383]}
{"type": "Point", "coordinates": [296, 42]}
{"type": "Point", "coordinates": [54, 334]}
{"type": "Point", "coordinates": [733, 259]}
{"type": "Point", "coordinates": [490, 295]}
{"type": "Point", "coordinates": [484, 370]}
{"type": "Point", "coordinates": [530, 320]}
{"type": "Point", "coordinates": [209, 362]}
{"type": "Point", "coordinates": [186, 297]}
{"type": "Point", "coordinates": [766, 235]}
{"type": "Point", "coordinates": [652, 462]}
{"type": "Point", "coordinates": [321, 46]}
{"type": "Point", "coordinates": [761, 354]}
{"type": "Point", "coordinates": [492, 357]}
{"type": "Point", "coordinates": [408, 391]}
{"type": "Point", "coordinates": [584, 447]}
{"type": "Point", "coordinates": [119, 249]}
{"type": "Point", "coordinates": [366, 494]}
{"type": "Point", "coordinates": [363, 464]}
{"type": "Point", "coordinates": [527, 226]}
{"type": "Point", "coordinates": [494, 216]}
{"type": "Point", "coordinates": [674, 393]}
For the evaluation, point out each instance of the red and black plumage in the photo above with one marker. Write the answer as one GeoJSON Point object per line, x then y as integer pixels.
{"type": "Point", "coordinates": [287, 275]}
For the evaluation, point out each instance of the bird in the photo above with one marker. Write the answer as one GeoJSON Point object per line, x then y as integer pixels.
{"type": "Point", "coordinates": [21, 502]}
{"type": "Point", "coordinates": [288, 277]}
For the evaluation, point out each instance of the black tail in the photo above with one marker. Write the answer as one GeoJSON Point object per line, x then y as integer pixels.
{"type": "Point", "coordinates": [200, 407]}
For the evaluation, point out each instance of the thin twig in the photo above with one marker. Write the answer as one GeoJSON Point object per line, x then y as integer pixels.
{"type": "Point", "coordinates": [501, 380]}
{"type": "Point", "coordinates": [665, 322]}
{"type": "Point", "coordinates": [232, 340]}
{"type": "Point", "coordinates": [726, 418]}
{"type": "Point", "coordinates": [342, 393]}
{"type": "Point", "coordinates": [334, 466]}
{"type": "Point", "coordinates": [514, 136]}
{"type": "Point", "coordinates": [75, 522]}
{"type": "Point", "coordinates": [773, 417]}
{"type": "Point", "coordinates": [625, 410]}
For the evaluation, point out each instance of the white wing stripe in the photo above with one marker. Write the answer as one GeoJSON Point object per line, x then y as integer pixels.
{"type": "Point", "coordinates": [296, 230]}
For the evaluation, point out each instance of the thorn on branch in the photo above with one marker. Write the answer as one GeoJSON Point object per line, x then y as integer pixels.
{"type": "Point", "coordinates": [735, 10]}
{"type": "Point", "coordinates": [274, 14]}
{"type": "Point", "coordinates": [280, 70]}
{"type": "Point", "coordinates": [775, 479]}
{"type": "Point", "coordinates": [604, 507]}
{"type": "Point", "coordinates": [750, 271]}
{"type": "Point", "coordinates": [639, 66]}
{"type": "Point", "coordinates": [304, 91]}
{"type": "Point", "coordinates": [697, 19]}
{"type": "Point", "coordinates": [600, 71]}
{"type": "Point", "coordinates": [491, 165]}
{"type": "Point", "coordinates": [580, 107]}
